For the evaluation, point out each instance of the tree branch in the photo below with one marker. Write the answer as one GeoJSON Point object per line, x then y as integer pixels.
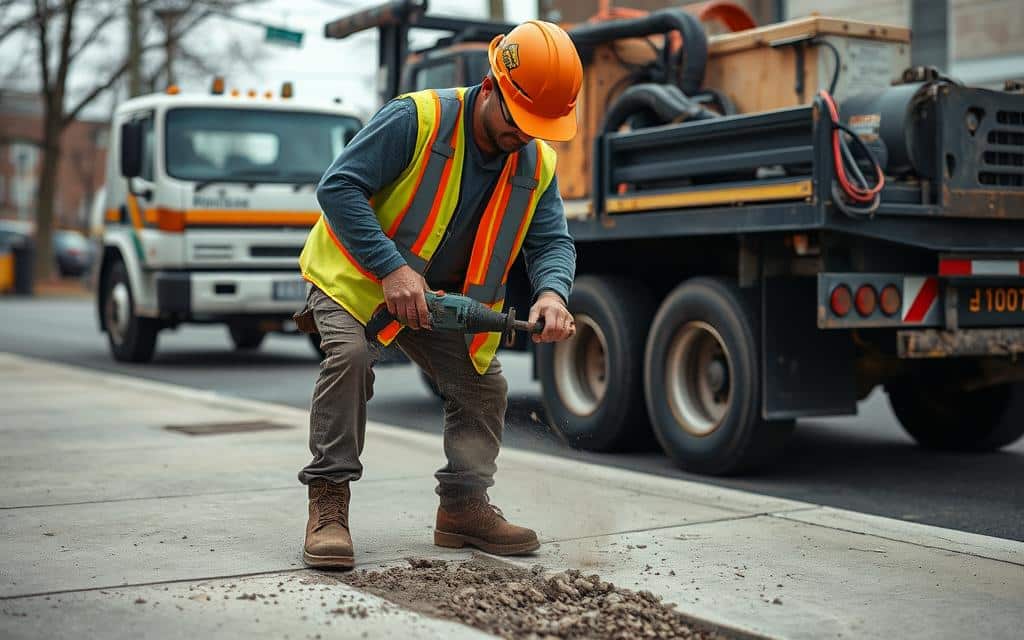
{"type": "Point", "coordinates": [100, 88]}
{"type": "Point", "coordinates": [94, 33]}
{"type": "Point", "coordinates": [25, 23]}
{"type": "Point", "coordinates": [42, 20]}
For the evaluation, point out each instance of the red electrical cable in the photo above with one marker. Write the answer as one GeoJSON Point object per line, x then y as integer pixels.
{"type": "Point", "coordinates": [854, 192]}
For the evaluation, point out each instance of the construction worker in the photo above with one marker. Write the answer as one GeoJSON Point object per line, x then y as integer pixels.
{"type": "Point", "coordinates": [440, 190]}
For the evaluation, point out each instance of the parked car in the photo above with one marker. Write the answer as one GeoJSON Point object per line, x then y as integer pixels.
{"type": "Point", "coordinates": [72, 251]}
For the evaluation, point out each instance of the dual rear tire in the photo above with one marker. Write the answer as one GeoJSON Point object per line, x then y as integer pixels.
{"type": "Point", "coordinates": [691, 371]}
{"type": "Point", "coordinates": [703, 380]}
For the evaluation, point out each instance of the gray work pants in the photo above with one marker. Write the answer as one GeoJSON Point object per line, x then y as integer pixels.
{"type": "Point", "coordinates": [474, 404]}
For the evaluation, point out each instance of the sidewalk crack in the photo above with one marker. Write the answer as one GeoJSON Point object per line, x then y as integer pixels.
{"type": "Point", "coordinates": [921, 545]}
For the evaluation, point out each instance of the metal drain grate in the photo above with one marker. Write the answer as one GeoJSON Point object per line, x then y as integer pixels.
{"type": "Point", "coordinates": [214, 428]}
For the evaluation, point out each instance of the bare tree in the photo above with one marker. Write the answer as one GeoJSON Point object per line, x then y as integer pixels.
{"type": "Point", "coordinates": [62, 34]}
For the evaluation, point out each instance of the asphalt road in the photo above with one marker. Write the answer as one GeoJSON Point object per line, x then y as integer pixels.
{"type": "Point", "coordinates": [864, 463]}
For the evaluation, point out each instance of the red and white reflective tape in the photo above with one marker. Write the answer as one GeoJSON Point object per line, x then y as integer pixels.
{"type": "Point", "coordinates": [919, 296]}
{"type": "Point", "coordinates": [959, 267]}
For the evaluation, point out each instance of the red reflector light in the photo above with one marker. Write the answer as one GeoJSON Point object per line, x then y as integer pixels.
{"type": "Point", "coordinates": [889, 300]}
{"type": "Point", "coordinates": [866, 300]}
{"type": "Point", "coordinates": [841, 300]}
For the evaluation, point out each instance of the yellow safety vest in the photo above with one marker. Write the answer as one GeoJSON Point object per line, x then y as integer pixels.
{"type": "Point", "coordinates": [414, 211]}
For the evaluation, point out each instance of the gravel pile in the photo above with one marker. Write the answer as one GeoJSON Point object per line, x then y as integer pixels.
{"type": "Point", "coordinates": [514, 602]}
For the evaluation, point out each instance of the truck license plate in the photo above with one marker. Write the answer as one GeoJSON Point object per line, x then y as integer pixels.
{"type": "Point", "coordinates": [290, 290]}
{"type": "Point", "coordinates": [991, 305]}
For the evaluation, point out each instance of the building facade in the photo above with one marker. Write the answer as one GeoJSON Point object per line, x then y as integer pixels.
{"type": "Point", "coordinates": [80, 174]}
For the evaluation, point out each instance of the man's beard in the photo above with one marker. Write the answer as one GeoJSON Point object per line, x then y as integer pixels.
{"type": "Point", "coordinates": [504, 142]}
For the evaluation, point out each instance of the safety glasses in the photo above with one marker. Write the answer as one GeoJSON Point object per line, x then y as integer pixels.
{"type": "Point", "coordinates": [504, 110]}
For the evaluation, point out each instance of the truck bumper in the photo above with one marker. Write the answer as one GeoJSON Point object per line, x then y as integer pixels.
{"type": "Point", "coordinates": [192, 294]}
{"type": "Point", "coordinates": [935, 343]}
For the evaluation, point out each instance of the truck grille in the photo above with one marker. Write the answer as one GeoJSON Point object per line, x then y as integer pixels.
{"type": "Point", "coordinates": [275, 252]}
{"type": "Point", "coordinates": [1004, 166]}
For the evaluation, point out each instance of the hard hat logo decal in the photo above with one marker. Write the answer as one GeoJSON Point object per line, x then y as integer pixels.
{"type": "Point", "coordinates": [510, 56]}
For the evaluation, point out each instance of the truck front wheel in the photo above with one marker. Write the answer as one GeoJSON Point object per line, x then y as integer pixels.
{"type": "Point", "coordinates": [945, 419]}
{"type": "Point", "coordinates": [703, 383]}
{"type": "Point", "coordinates": [131, 338]}
{"type": "Point", "coordinates": [592, 384]}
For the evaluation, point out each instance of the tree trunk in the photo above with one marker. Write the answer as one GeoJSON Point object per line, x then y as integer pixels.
{"type": "Point", "coordinates": [134, 49]}
{"type": "Point", "coordinates": [44, 258]}
{"type": "Point", "coordinates": [497, 9]}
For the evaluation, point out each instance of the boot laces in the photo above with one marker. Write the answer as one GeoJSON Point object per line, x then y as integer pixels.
{"type": "Point", "coordinates": [332, 506]}
{"type": "Point", "coordinates": [484, 505]}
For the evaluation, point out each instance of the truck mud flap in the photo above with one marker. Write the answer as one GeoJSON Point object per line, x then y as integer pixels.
{"type": "Point", "coordinates": [806, 371]}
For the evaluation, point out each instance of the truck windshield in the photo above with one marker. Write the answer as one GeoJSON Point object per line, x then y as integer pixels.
{"type": "Point", "coordinates": [248, 145]}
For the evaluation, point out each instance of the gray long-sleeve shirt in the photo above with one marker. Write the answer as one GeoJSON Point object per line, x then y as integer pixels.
{"type": "Point", "coordinates": [376, 157]}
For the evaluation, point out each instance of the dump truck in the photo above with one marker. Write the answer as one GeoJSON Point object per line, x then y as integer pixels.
{"type": "Point", "coordinates": [208, 201]}
{"type": "Point", "coordinates": [770, 223]}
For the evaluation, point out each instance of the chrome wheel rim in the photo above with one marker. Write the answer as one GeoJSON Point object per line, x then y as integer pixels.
{"type": "Point", "coordinates": [118, 312]}
{"type": "Point", "coordinates": [698, 380]}
{"type": "Point", "coordinates": [581, 368]}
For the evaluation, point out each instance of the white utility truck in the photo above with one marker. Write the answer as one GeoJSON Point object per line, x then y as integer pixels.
{"type": "Point", "coordinates": [208, 202]}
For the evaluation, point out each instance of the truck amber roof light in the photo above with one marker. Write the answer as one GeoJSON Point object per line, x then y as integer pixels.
{"type": "Point", "coordinates": [217, 88]}
{"type": "Point", "coordinates": [286, 90]}
{"type": "Point", "coordinates": [251, 93]}
{"type": "Point", "coordinates": [173, 90]}
{"type": "Point", "coordinates": [234, 93]}
{"type": "Point", "coordinates": [268, 94]}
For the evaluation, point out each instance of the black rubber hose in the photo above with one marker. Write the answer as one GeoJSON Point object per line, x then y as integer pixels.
{"type": "Point", "coordinates": [694, 52]}
{"type": "Point", "coordinates": [664, 101]}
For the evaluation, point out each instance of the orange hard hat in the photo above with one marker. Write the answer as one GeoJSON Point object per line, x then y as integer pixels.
{"type": "Point", "coordinates": [539, 74]}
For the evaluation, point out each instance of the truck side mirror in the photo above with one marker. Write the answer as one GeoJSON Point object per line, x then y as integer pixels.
{"type": "Point", "coordinates": [131, 149]}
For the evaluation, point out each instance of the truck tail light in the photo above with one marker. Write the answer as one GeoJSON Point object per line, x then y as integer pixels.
{"type": "Point", "coordinates": [841, 300]}
{"type": "Point", "coordinates": [866, 300]}
{"type": "Point", "coordinates": [889, 300]}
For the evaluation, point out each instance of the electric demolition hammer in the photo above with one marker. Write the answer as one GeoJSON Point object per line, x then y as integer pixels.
{"type": "Point", "coordinates": [454, 312]}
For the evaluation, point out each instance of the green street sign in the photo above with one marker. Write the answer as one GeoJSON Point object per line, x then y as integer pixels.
{"type": "Point", "coordinates": [285, 37]}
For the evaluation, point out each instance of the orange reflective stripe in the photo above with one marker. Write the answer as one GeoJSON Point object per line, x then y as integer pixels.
{"type": "Point", "coordinates": [348, 256]}
{"type": "Point", "coordinates": [442, 188]}
{"type": "Point", "coordinates": [530, 206]}
{"type": "Point", "coordinates": [393, 229]}
{"type": "Point", "coordinates": [388, 333]}
{"type": "Point", "coordinates": [478, 342]}
{"type": "Point", "coordinates": [490, 225]}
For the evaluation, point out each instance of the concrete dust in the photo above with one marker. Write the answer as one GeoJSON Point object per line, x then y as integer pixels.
{"type": "Point", "coordinates": [514, 602]}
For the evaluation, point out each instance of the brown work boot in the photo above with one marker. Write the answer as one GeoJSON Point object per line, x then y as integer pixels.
{"type": "Point", "coordinates": [474, 521]}
{"type": "Point", "coordinates": [328, 543]}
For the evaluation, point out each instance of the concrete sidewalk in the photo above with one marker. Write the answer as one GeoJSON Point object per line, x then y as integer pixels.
{"type": "Point", "coordinates": [114, 526]}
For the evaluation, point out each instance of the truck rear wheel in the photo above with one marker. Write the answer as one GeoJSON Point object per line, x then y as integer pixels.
{"type": "Point", "coordinates": [246, 335]}
{"type": "Point", "coordinates": [702, 381]}
{"type": "Point", "coordinates": [957, 420]}
{"type": "Point", "coordinates": [592, 384]}
{"type": "Point", "coordinates": [131, 338]}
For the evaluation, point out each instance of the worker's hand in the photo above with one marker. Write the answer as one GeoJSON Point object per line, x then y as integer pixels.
{"type": "Point", "coordinates": [403, 293]}
{"type": "Point", "coordinates": [558, 322]}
